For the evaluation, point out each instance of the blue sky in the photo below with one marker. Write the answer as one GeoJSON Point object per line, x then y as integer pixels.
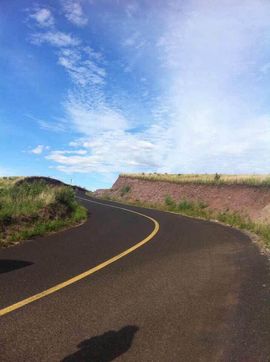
{"type": "Point", "coordinates": [93, 88]}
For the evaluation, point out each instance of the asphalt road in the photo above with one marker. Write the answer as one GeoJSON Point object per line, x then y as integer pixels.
{"type": "Point", "coordinates": [197, 291]}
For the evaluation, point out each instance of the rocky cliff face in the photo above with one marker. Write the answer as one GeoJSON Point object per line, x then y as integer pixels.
{"type": "Point", "coordinates": [252, 201]}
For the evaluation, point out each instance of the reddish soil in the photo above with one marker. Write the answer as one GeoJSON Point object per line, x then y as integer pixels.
{"type": "Point", "coordinates": [252, 201]}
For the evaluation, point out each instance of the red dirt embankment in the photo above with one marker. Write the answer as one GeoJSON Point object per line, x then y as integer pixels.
{"type": "Point", "coordinates": [251, 201]}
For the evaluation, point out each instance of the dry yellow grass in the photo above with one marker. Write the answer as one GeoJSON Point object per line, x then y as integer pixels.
{"type": "Point", "coordinates": [9, 181]}
{"type": "Point", "coordinates": [211, 179]}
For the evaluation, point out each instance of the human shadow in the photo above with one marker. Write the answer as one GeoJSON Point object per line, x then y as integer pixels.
{"type": "Point", "coordinates": [8, 265]}
{"type": "Point", "coordinates": [104, 348]}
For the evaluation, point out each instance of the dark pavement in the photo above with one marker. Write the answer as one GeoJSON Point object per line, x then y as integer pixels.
{"type": "Point", "coordinates": [198, 291]}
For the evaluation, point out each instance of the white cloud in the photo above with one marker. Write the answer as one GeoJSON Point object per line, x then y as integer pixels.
{"type": "Point", "coordinates": [212, 101]}
{"type": "Point", "coordinates": [55, 38]}
{"type": "Point", "coordinates": [68, 152]}
{"type": "Point", "coordinates": [39, 149]}
{"type": "Point", "coordinates": [74, 13]}
{"type": "Point", "coordinates": [135, 41]}
{"type": "Point", "coordinates": [58, 125]}
{"type": "Point", "coordinates": [110, 151]}
{"type": "Point", "coordinates": [82, 66]}
{"type": "Point", "coordinates": [93, 115]}
{"type": "Point", "coordinates": [43, 17]}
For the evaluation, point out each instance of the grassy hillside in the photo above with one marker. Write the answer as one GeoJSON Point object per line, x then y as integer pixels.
{"type": "Point", "coordinates": [36, 208]}
{"type": "Point", "coordinates": [211, 179]}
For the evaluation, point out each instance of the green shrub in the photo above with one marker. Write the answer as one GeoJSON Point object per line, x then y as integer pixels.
{"type": "Point", "coordinates": [170, 203]}
{"type": "Point", "coordinates": [185, 205]}
{"type": "Point", "coordinates": [233, 219]}
{"type": "Point", "coordinates": [125, 190]}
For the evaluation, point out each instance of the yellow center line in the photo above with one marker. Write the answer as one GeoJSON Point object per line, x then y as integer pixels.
{"type": "Point", "coordinates": [85, 274]}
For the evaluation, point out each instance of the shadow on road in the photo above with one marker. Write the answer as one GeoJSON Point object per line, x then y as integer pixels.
{"type": "Point", "coordinates": [7, 265]}
{"type": "Point", "coordinates": [104, 348]}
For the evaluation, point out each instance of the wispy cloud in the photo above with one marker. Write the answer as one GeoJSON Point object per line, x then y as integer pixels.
{"type": "Point", "coordinates": [55, 38]}
{"type": "Point", "coordinates": [73, 152]}
{"type": "Point", "coordinates": [57, 125]}
{"type": "Point", "coordinates": [108, 143]}
{"type": "Point", "coordinates": [43, 17]}
{"type": "Point", "coordinates": [93, 115]}
{"type": "Point", "coordinates": [38, 150]}
{"type": "Point", "coordinates": [74, 13]}
{"type": "Point", "coordinates": [212, 100]}
{"type": "Point", "coordinates": [82, 66]}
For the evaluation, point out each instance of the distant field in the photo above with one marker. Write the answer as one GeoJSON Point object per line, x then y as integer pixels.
{"type": "Point", "coordinates": [211, 179]}
{"type": "Point", "coordinates": [8, 181]}
{"type": "Point", "coordinates": [35, 208]}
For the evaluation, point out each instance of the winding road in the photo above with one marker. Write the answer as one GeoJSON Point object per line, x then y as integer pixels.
{"type": "Point", "coordinates": [135, 284]}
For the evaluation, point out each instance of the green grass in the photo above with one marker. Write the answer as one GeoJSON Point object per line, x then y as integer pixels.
{"type": "Point", "coordinates": [36, 208]}
{"type": "Point", "coordinates": [205, 179]}
{"type": "Point", "coordinates": [190, 208]}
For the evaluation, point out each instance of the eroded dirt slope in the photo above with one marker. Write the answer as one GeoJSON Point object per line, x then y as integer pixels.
{"type": "Point", "coordinates": [252, 201]}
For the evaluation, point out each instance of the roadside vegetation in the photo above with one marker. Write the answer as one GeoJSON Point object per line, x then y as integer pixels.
{"type": "Point", "coordinates": [210, 179]}
{"type": "Point", "coordinates": [32, 209]}
{"type": "Point", "coordinates": [201, 210]}
{"type": "Point", "coordinates": [125, 190]}
{"type": "Point", "coordinates": [198, 209]}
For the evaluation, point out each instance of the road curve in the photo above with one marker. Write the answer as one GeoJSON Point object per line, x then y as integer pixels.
{"type": "Point", "coordinates": [195, 291]}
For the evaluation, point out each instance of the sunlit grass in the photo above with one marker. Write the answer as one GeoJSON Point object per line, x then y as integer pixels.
{"type": "Point", "coordinates": [9, 181]}
{"type": "Point", "coordinates": [210, 179]}
{"type": "Point", "coordinates": [31, 209]}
